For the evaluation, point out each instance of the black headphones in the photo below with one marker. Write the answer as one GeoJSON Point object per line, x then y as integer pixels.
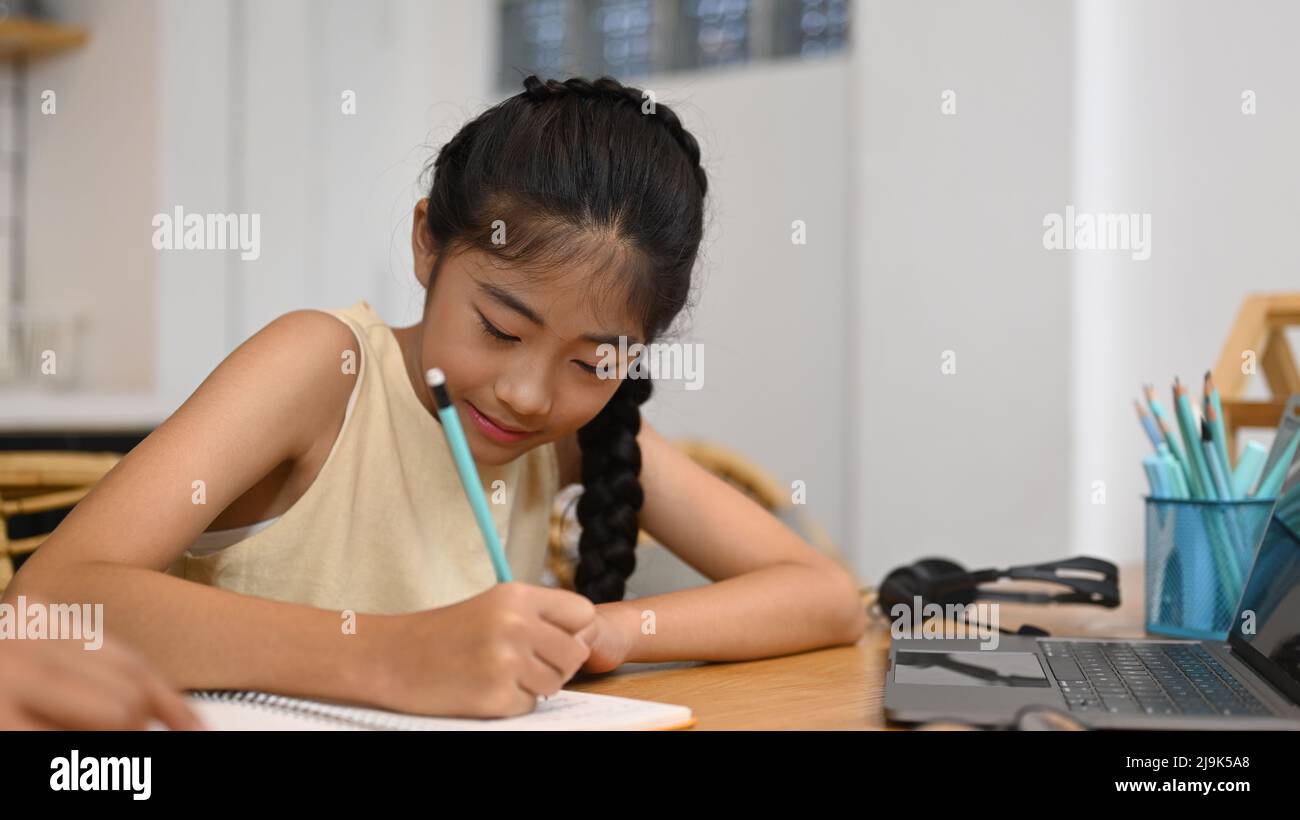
{"type": "Point", "coordinates": [940, 581]}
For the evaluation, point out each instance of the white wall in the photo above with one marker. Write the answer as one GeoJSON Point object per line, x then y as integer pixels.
{"type": "Point", "coordinates": [1109, 106]}
{"type": "Point", "coordinates": [772, 315]}
{"type": "Point", "coordinates": [268, 136]}
{"type": "Point", "coordinates": [90, 178]}
{"type": "Point", "coordinates": [947, 213]}
{"type": "Point", "coordinates": [1161, 131]}
{"type": "Point", "coordinates": [194, 163]}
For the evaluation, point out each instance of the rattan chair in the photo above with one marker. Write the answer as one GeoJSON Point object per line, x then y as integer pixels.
{"type": "Point", "coordinates": [723, 462]}
{"type": "Point", "coordinates": [39, 481]}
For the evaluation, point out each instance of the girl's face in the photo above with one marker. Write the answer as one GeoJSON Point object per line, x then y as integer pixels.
{"type": "Point", "coordinates": [521, 357]}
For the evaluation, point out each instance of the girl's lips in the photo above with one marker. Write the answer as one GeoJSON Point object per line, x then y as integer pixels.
{"type": "Point", "coordinates": [493, 430]}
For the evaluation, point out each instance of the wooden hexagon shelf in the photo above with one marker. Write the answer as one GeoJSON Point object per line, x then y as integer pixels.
{"type": "Point", "coordinates": [1258, 343]}
{"type": "Point", "coordinates": [22, 37]}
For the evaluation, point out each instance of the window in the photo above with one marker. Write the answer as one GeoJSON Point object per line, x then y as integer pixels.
{"type": "Point", "coordinates": [631, 38]}
{"type": "Point", "coordinates": [811, 28]}
{"type": "Point", "coordinates": [623, 37]}
{"type": "Point", "coordinates": [712, 33]}
{"type": "Point", "coordinates": [539, 35]}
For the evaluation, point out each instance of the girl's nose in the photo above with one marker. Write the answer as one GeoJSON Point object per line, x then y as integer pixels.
{"type": "Point", "coordinates": [526, 393]}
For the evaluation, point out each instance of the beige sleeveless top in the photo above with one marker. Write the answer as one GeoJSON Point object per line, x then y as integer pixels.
{"type": "Point", "coordinates": [385, 527]}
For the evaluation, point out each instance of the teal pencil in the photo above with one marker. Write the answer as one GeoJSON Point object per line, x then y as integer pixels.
{"type": "Point", "coordinates": [1171, 438]}
{"type": "Point", "coordinates": [1214, 412]}
{"type": "Point", "coordinates": [1149, 466]}
{"type": "Point", "coordinates": [1222, 543]}
{"type": "Point", "coordinates": [1168, 489]}
{"type": "Point", "coordinates": [469, 477]}
{"type": "Point", "coordinates": [1189, 477]}
{"type": "Point", "coordinates": [1249, 466]}
{"type": "Point", "coordinates": [1202, 484]}
{"type": "Point", "coordinates": [1177, 478]}
{"type": "Point", "coordinates": [1271, 484]}
{"type": "Point", "coordinates": [1212, 460]}
{"type": "Point", "coordinates": [1239, 551]}
{"type": "Point", "coordinates": [1149, 425]}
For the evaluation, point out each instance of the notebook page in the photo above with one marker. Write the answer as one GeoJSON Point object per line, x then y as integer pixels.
{"type": "Point", "coordinates": [563, 710]}
{"type": "Point", "coordinates": [242, 717]}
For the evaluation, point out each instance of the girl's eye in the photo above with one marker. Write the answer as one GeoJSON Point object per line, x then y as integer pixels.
{"type": "Point", "coordinates": [493, 331]}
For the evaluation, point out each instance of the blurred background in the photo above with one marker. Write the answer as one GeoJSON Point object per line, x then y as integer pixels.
{"type": "Point", "coordinates": [921, 145]}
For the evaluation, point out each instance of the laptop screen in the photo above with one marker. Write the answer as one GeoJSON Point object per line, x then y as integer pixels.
{"type": "Point", "coordinates": [1266, 633]}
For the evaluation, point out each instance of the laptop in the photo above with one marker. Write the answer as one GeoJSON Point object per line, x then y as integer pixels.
{"type": "Point", "coordinates": [1251, 681]}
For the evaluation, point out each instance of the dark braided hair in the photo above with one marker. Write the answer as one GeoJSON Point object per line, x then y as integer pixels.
{"type": "Point", "coordinates": [585, 173]}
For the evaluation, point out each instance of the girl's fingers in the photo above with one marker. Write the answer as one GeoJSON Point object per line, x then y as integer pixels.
{"type": "Point", "coordinates": [161, 700]}
{"type": "Point", "coordinates": [105, 688]}
{"type": "Point", "coordinates": [74, 663]}
{"type": "Point", "coordinates": [75, 703]}
{"type": "Point", "coordinates": [567, 610]}
{"type": "Point", "coordinates": [170, 706]}
{"type": "Point", "coordinates": [540, 678]}
{"type": "Point", "coordinates": [564, 652]}
{"type": "Point", "coordinates": [14, 720]}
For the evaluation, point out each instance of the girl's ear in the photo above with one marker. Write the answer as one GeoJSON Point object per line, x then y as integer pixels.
{"type": "Point", "coordinates": [424, 248]}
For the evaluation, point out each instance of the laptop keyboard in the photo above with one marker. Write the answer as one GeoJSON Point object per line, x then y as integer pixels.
{"type": "Point", "coordinates": [1150, 678]}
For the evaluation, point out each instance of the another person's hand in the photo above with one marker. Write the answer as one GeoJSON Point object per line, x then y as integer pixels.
{"type": "Point", "coordinates": [60, 684]}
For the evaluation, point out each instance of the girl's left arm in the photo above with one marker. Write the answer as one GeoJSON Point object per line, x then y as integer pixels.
{"type": "Point", "coordinates": [773, 594]}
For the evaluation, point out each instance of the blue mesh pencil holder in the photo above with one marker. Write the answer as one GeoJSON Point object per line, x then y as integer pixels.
{"type": "Point", "coordinates": [1198, 555]}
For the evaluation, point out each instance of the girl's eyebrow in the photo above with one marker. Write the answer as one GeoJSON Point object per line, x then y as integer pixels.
{"type": "Point", "coordinates": [509, 300]}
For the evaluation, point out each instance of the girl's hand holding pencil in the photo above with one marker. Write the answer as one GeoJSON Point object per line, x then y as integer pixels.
{"type": "Point", "coordinates": [515, 634]}
{"type": "Point", "coordinates": [488, 656]}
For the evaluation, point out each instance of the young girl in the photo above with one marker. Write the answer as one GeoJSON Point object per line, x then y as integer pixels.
{"type": "Point", "coordinates": [297, 524]}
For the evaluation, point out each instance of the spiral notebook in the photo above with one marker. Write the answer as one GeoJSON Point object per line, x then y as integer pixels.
{"type": "Point", "coordinates": [227, 710]}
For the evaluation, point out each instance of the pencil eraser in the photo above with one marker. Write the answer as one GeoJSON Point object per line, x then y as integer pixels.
{"type": "Point", "coordinates": [434, 377]}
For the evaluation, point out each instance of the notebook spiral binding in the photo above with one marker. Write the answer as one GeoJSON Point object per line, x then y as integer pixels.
{"type": "Point", "coordinates": [349, 717]}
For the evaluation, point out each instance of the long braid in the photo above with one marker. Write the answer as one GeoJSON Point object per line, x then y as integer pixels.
{"type": "Point", "coordinates": [610, 505]}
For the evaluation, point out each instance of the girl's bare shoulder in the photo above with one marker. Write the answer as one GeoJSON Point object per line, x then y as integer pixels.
{"type": "Point", "coordinates": [314, 355]}
{"type": "Point", "coordinates": [331, 365]}
{"type": "Point", "coordinates": [266, 405]}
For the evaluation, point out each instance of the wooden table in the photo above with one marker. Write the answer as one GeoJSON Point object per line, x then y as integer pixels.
{"type": "Point", "coordinates": [842, 687]}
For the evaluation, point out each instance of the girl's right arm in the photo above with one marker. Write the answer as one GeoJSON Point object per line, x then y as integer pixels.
{"type": "Point", "coordinates": [275, 398]}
